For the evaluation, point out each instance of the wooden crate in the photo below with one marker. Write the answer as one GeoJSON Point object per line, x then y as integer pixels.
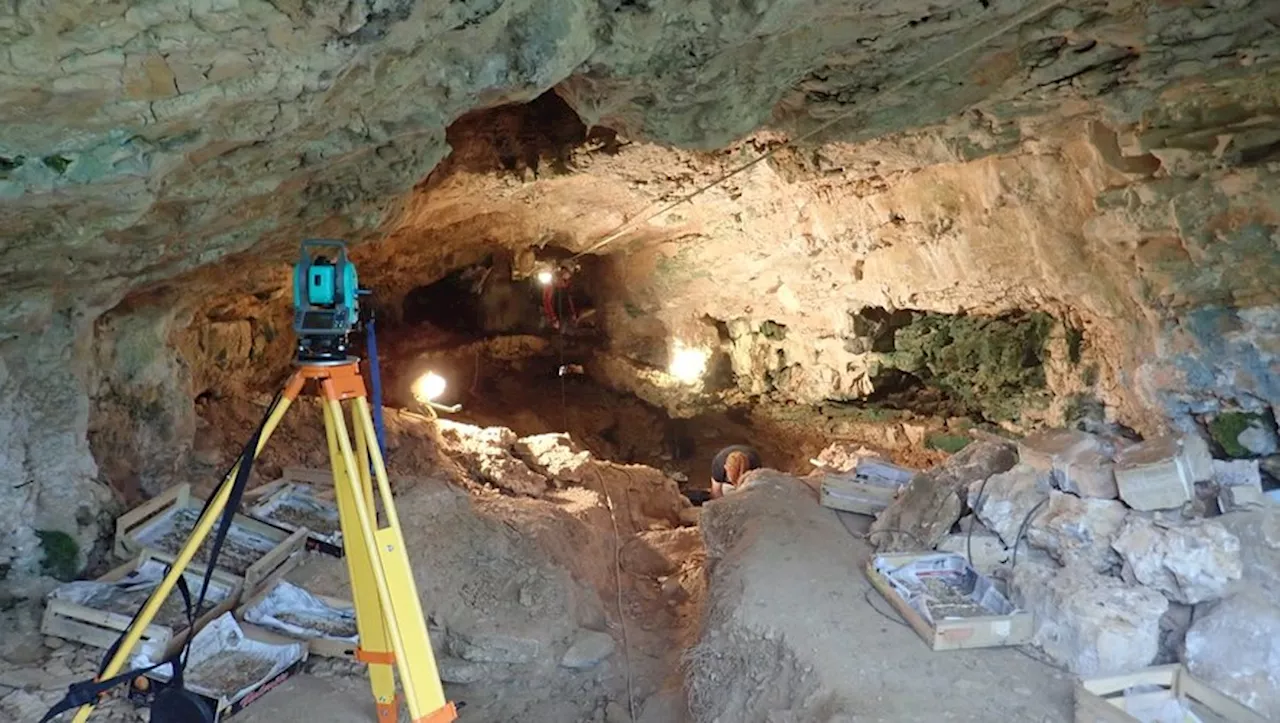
{"type": "Point", "coordinates": [1102, 700]}
{"type": "Point", "coordinates": [142, 689]}
{"type": "Point", "coordinates": [868, 489]}
{"type": "Point", "coordinates": [100, 629]}
{"type": "Point", "coordinates": [133, 527]}
{"type": "Point", "coordinates": [263, 510]}
{"type": "Point", "coordinates": [990, 631]}
{"type": "Point", "coordinates": [322, 647]}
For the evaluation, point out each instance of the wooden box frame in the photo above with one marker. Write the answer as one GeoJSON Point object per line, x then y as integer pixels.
{"type": "Point", "coordinates": [979, 632]}
{"type": "Point", "coordinates": [321, 647]}
{"type": "Point", "coordinates": [323, 544]}
{"type": "Point", "coordinates": [1097, 698]}
{"type": "Point", "coordinates": [282, 557]}
{"type": "Point", "coordinates": [142, 690]}
{"type": "Point", "coordinates": [101, 629]}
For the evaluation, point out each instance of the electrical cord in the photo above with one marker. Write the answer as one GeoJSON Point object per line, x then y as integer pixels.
{"type": "Point", "coordinates": [892, 88]}
{"type": "Point", "coordinates": [968, 538]}
{"type": "Point", "coordinates": [617, 579]}
{"type": "Point", "coordinates": [1022, 530]}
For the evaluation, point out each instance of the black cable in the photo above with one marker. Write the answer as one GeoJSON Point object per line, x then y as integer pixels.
{"type": "Point", "coordinates": [866, 595]}
{"type": "Point", "coordinates": [968, 538]}
{"type": "Point", "coordinates": [1022, 530]}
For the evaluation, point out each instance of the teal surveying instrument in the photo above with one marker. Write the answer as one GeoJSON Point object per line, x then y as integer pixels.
{"type": "Point", "coordinates": [325, 301]}
{"type": "Point", "coordinates": [393, 641]}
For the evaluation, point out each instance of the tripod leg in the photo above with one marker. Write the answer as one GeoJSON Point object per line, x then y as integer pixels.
{"type": "Point", "coordinates": [411, 624]}
{"type": "Point", "coordinates": [375, 648]}
{"type": "Point", "coordinates": [392, 574]}
{"type": "Point", "coordinates": [189, 549]}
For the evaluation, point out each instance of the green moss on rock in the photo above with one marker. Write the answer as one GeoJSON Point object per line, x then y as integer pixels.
{"type": "Point", "coordinates": [1226, 428]}
{"type": "Point", "coordinates": [993, 366]}
{"type": "Point", "coordinates": [950, 443]}
{"type": "Point", "coordinates": [61, 554]}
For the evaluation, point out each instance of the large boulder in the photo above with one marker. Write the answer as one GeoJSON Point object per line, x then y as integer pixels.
{"type": "Point", "coordinates": [1092, 624]}
{"type": "Point", "coordinates": [1071, 528]}
{"type": "Point", "coordinates": [931, 503]}
{"type": "Point", "coordinates": [1235, 647]}
{"type": "Point", "coordinates": [554, 455]}
{"type": "Point", "coordinates": [1190, 563]}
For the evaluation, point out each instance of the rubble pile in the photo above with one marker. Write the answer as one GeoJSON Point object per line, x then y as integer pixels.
{"type": "Point", "coordinates": [1128, 554]}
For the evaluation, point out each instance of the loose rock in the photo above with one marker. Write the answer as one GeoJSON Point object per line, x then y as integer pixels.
{"type": "Point", "coordinates": [1156, 474]}
{"type": "Point", "coordinates": [930, 504]}
{"type": "Point", "coordinates": [554, 455]}
{"type": "Point", "coordinates": [1087, 473]}
{"type": "Point", "coordinates": [1005, 500]}
{"type": "Point", "coordinates": [1189, 563]}
{"type": "Point", "coordinates": [1045, 450]}
{"type": "Point", "coordinates": [493, 648]}
{"type": "Point", "coordinates": [1235, 648]}
{"type": "Point", "coordinates": [1259, 535]}
{"type": "Point", "coordinates": [1074, 529]}
{"type": "Point", "coordinates": [1090, 623]}
{"type": "Point", "coordinates": [989, 554]}
{"type": "Point", "coordinates": [588, 650]}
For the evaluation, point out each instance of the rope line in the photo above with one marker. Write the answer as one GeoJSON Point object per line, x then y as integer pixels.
{"type": "Point", "coordinates": [1014, 23]}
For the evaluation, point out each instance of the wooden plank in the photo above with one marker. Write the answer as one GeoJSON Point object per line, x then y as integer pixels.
{"type": "Point", "coordinates": [322, 647]}
{"type": "Point", "coordinates": [100, 628]}
{"type": "Point", "coordinates": [128, 523]}
{"type": "Point", "coordinates": [322, 477]}
{"type": "Point", "coordinates": [1102, 700]}
{"type": "Point", "coordinates": [283, 558]}
{"type": "Point", "coordinates": [958, 634]}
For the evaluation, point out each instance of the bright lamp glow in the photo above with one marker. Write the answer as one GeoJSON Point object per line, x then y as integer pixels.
{"type": "Point", "coordinates": [428, 387]}
{"type": "Point", "coordinates": [545, 277]}
{"type": "Point", "coordinates": [688, 364]}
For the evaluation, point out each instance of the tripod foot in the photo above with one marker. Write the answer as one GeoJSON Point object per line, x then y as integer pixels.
{"type": "Point", "coordinates": [389, 712]}
{"type": "Point", "coordinates": [446, 714]}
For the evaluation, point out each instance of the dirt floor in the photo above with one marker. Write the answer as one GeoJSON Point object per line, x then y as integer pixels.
{"type": "Point", "coordinates": [759, 613]}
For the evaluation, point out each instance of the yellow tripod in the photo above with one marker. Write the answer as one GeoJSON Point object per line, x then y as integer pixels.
{"type": "Point", "coordinates": [393, 632]}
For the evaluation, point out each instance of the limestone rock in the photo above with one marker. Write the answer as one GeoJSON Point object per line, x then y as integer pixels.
{"type": "Point", "coordinates": [1046, 449]}
{"type": "Point", "coordinates": [1090, 623]}
{"type": "Point", "coordinates": [1259, 535]}
{"type": "Point", "coordinates": [1086, 473]}
{"type": "Point", "coordinates": [1071, 529]}
{"type": "Point", "coordinates": [1235, 646]}
{"type": "Point", "coordinates": [554, 455]}
{"type": "Point", "coordinates": [930, 504]}
{"type": "Point", "coordinates": [1190, 563]}
{"type": "Point", "coordinates": [487, 453]}
{"type": "Point", "coordinates": [462, 672]}
{"type": "Point", "coordinates": [1004, 500]}
{"type": "Point", "coordinates": [1156, 474]}
{"type": "Point", "coordinates": [1234, 472]}
{"type": "Point", "coordinates": [1173, 632]}
{"type": "Point", "coordinates": [1241, 497]}
{"type": "Point", "coordinates": [494, 648]}
{"type": "Point", "coordinates": [588, 650]}
{"type": "Point", "coordinates": [989, 554]}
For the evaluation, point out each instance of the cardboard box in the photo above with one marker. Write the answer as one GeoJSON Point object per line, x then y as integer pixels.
{"type": "Point", "coordinates": [911, 583]}
{"type": "Point", "coordinates": [147, 529]}
{"type": "Point", "coordinates": [262, 611]}
{"type": "Point", "coordinates": [225, 634]}
{"type": "Point", "coordinates": [74, 611]}
{"type": "Point", "coordinates": [1103, 700]}
{"type": "Point", "coordinates": [867, 490]}
{"type": "Point", "coordinates": [294, 501]}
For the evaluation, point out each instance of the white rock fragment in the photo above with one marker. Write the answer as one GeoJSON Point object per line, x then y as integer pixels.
{"type": "Point", "coordinates": [1189, 563]}
{"type": "Point", "coordinates": [554, 455]}
{"type": "Point", "coordinates": [1158, 474]}
{"type": "Point", "coordinates": [1087, 473]}
{"type": "Point", "coordinates": [1090, 623]}
{"type": "Point", "coordinates": [1259, 535]}
{"type": "Point", "coordinates": [1237, 473]}
{"type": "Point", "coordinates": [1235, 647]}
{"type": "Point", "coordinates": [1078, 529]}
{"type": "Point", "coordinates": [588, 650]}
